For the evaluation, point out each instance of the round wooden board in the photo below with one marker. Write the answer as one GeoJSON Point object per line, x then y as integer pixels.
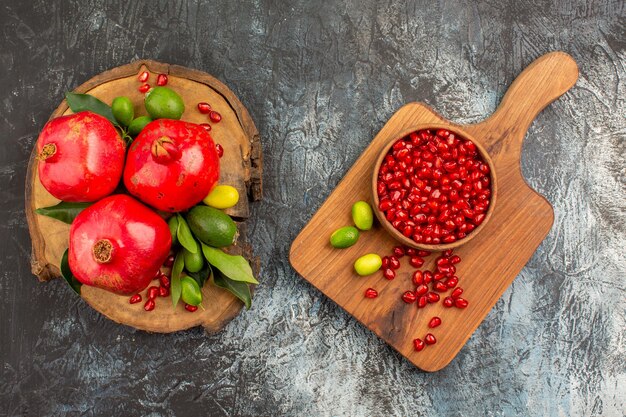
{"type": "Point", "coordinates": [241, 167]}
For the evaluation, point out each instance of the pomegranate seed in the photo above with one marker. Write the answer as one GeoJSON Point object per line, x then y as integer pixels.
{"type": "Point", "coordinates": [153, 292]}
{"type": "Point", "coordinates": [422, 301]}
{"type": "Point", "coordinates": [161, 80]}
{"type": "Point", "coordinates": [190, 308]}
{"type": "Point", "coordinates": [448, 302]}
{"type": "Point", "coordinates": [164, 281]}
{"type": "Point", "coordinates": [432, 297]}
{"type": "Point", "coordinates": [394, 262]}
{"type": "Point", "coordinates": [385, 264]}
{"type": "Point", "coordinates": [409, 297]}
{"type": "Point", "coordinates": [143, 77]}
{"type": "Point", "coordinates": [437, 276]}
{"type": "Point", "coordinates": [135, 299]}
{"type": "Point", "coordinates": [144, 88]}
{"type": "Point", "coordinates": [457, 292]}
{"type": "Point", "coordinates": [434, 322]}
{"type": "Point", "coordinates": [220, 150]}
{"type": "Point", "coordinates": [158, 274]}
{"type": "Point", "coordinates": [419, 344]}
{"type": "Point", "coordinates": [215, 116]}
{"type": "Point", "coordinates": [416, 261]}
{"type": "Point", "coordinates": [389, 274]}
{"type": "Point", "coordinates": [428, 277]}
{"type": "Point", "coordinates": [371, 293]}
{"type": "Point", "coordinates": [421, 289]}
{"type": "Point", "coordinates": [451, 282]}
{"type": "Point", "coordinates": [430, 339]}
{"type": "Point", "coordinates": [440, 286]}
{"type": "Point", "coordinates": [418, 277]}
{"type": "Point", "coordinates": [410, 251]}
{"type": "Point", "coordinates": [149, 305]}
{"type": "Point", "coordinates": [206, 126]}
{"type": "Point", "coordinates": [204, 108]}
{"type": "Point", "coordinates": [169, 261]}
{"type": "Point", "coordinates": [163, 292]}
{"type": "Point", "coordinates": [460, 303]}
{"type": "Point", "coordinates": [422, 253]}
{"type": "Point", "coordinates": [447, 253]}
{"type": "Point", "coordinates": [398, 251]}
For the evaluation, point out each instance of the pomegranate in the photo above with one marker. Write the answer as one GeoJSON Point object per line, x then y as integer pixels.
{"type": "Point", "coordinates": [172, 165]}
{"type": "Point", "coordinates": [118, 244]}
{"type": "Point", "coordinates": [81, 157]}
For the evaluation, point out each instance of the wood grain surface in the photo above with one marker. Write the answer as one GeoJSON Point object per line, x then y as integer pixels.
{"type": "Point", "coordinates": [520, 221]}
{"type": "Point", "coordinates": [241, 167]}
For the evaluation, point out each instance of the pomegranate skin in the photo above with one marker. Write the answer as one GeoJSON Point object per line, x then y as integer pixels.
{"type": "Point", "coordinates": [118, 244]}
{"type": "Point", "coordinates": [81, 157]}
{"type": "Point", "coordinates": [172, 165]}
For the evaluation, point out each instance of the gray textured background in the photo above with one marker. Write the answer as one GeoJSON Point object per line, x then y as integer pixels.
{"type": "Point", "coordinates": [320, 79]}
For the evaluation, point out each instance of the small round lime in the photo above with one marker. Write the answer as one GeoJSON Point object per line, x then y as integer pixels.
{"type": "Point", "coordinates": [123, 110]}
{"type": "Point", "coordinates": [164, 103]}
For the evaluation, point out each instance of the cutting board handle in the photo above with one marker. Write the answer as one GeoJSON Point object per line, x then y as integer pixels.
{"type": "Point", "coordinates": [542, 82]}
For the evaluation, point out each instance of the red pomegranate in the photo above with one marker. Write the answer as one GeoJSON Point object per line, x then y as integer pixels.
{"type": "Point", "coordinates": [81, 157]}
{"type": "Point", "coordinates": [118, 244]}
{"type": "Point", "coordinates": [172, 165]}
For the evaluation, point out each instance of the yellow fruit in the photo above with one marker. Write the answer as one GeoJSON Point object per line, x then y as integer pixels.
{"type": "Point", "coordinates": [222, 197]}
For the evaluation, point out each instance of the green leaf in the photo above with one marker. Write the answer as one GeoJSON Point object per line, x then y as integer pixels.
{"type": "Point", "coordinates": [185, 238]}
{"type": "Point", "coordinates": [177, 268]}
{"type": "Point", "coordinates": [201, 276]}
{"type": "Point", "coordinates": [82, 102]}
{"type": "Point", "coordinates": [67, 274]}
{"type": "Point", "coordinates": [234, 267]}
{"type": "Point", "coordinates": [239, 289]}
{"type": "Point", "coordinates": [64, 211]}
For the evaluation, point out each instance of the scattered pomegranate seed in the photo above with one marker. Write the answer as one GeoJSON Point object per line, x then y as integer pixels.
{"type": "Point", "coordinates": [455, 259]}
{"type": "Point", "coordinates": [419, 344]}
{"type": "Point", "coordinates": [164, 281]}
{"type": "Point", "coordinates": [448, 302]}
{"type": "Point", "coordinates": [398, 251]}
{"type": "Point", "coordinates": [220, 150]}
{"type": "Point", "coordinates": [451, 282]}
{"type": "Point", "coordinates": [135, 299]}
{"type": "Point", "coordinates": [434, 322]}
{"type": "Point", "coordinates": [457, 292]}
{"type": "Point", "coordinates": [421, 289]}
{"type": "Point", "coordinates": [409, 297]}
{"type": "Point", "coordinates": [204, 108]}
{"type": "Point", "coordinates": [161, 80]}
{"type": "Point", "coordinates": [389, 274]}
{"type": "Point", "coordinates": [215, 117]}
{"type": "Point", "coordinates": [144, 88]}
{"type": "Point", "coordinates": [447, 253]}
{"type": "Point", "coordinates": [164, 292]}
{"type": "Point", "coordinates": [149, 305]}
{"type": "Point", "coordinates": [190, 308]}
{"type": "Point", "coordinates": [428, 277]}
{"type": "Point", "coordinates": [143, 77]}
{"type": "Point", "coordinates": [153, 292]}
{"type": "Point", "coordinates": [385, 262]}
{"type": "Point", "coordinates": [158, 274]}
{"type": "Point", "coordinates": [394, 262]}
{"type": "Point", "coordinates": [416, 261]}
{"type": "Point", "coordinates": [206, 126]}
{"type": "Point", "coordinates": [169, 261]}
{"type": "Point", "coordinates": [422, 301]}
{"type": "Point", "coordinates": [418, 277]}
{"type": "Point", "coordinates": [410, 251]}
{"type": "Point", "coordinates": [430, 339]}
{"type": "Point", "coordinates": [460, 303]}
{"type": "Point", "coordinates": [422, 253]}
{"type": "Point", "coordinates": [371, 293]}
{"type": "Point", "coordinates": [432, 297]}
{"type": "Point", "coordinates": [440, 286]}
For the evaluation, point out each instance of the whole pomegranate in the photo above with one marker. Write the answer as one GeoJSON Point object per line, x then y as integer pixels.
{"type": "Point", "coordinates": [172, 165]}
{"type": "Point", "coordinates": [118, 244]}
{"type": "Point", "coordinates": [81, 157]}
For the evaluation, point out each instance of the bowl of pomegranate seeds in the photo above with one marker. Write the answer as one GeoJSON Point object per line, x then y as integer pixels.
{"type": "Point", "coordinates": [434, 188]}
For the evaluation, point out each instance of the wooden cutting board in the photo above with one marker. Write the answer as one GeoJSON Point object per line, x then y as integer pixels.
{"type": "Point", "coordinates": [521, 220]}
{"type": "Point", "coordinates": [241, 167]}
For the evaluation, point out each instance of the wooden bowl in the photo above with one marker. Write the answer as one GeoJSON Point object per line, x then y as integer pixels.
{"type": "Point", "coordinates": [396, 233]}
